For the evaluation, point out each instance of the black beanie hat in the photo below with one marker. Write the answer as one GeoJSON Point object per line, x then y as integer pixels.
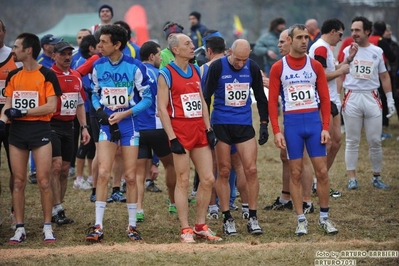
{"type": "Point", "coordinates": [379, 27]}
{"type": "Point", "coordinates": [196, 14]}
{"type": "Point", "coordinates": [106, 6]}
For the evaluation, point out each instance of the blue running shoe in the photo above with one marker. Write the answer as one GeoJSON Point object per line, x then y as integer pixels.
{"type": "Point", "coordinates": [93, 197]}
{"type": "Point", "coordinates": [118, 197]}
{"type": "Point", "coordinates": [377, 182]}
{"type": "Point", "coordinates": [352, 184]}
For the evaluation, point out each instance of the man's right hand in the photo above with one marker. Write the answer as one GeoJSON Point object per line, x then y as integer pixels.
{"type": "Point", "coordinates": [176, 147]}
{"type": "Point", "coordinates": [102, 117]}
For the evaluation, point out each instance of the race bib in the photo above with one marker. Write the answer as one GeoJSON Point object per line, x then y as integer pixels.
{"type": "Point", "coordinates": [25, 99]}
{"type": "Point", "coordinates": [191, 103]}
{"type": "Point", "coordinates": [301, 95]}
{"type": "Point", "coordinates": [69, 102]}
{"type": "Point", "coordinates": [236, 94]}
{"type": "Point", "coordinates": [115, 98]}
{"type": "Point", "coordinates": [362, 69]}
{"type": "Point", "coordinates": [3, 89]}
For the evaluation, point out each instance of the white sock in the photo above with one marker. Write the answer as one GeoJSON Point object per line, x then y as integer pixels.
{"type": "Point", "coordinates": [213, 208]}
{"type": "Point", "coordinates": [283, 201]}
{"type": "Point", "coordinates": [79, 178]}
{"type": "Point", "coordinates": [140, 211]}
{"type": "Point", "coordinates": [90, 178]}
{"type": "Point", "coordinates": [56, 209]}
{"type": "Point", "coordinates": [100, 208]}
{"type": "Point", "coordinates": [132, 210]}
{"type": "Point", "coordinates": [301, 217]}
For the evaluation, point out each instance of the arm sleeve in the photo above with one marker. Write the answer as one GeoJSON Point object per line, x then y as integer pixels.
{"type": "Point", "coordinates": [259, 93]}
{"type": "Point", "coordinates": [324, 95]}
{"type": "Point", "coordinates": [211, 82]}
{"type": "Point", "coordinates": [320, 54]}
{"type": "Point", "coordinates": [274, 90]}
{"type": "Point", "coordinates": [52, 85]}
{"type": "Point", "coordinates": [95, 96]}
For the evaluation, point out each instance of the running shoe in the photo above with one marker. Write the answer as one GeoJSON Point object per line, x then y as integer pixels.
{"type": "Point", "coordinates": [352, 184]}
{"type": "Point", "coordinates": [61, 219]}
{"type": "Point", "coordinates": [213, 215]}
{"type": "Point", "coordinates": [95, 234]}
{"type": "Point", "coordinates": [314, 188]}
{"type": "Point", "coordinates": [307, 208]}
{"type": "Point", "coordinates": [229, 227]}
{"type": "Point", "coordinates": [72, 172]}
{"type": "Point", "coordinates": [48, 235]}
{"type": "Point", "coordinates": [385, 136]}
{"type": "Point", "coordinates": [233, 207]}
{"type": "Point", "coordinates": [302, 228]}
{"type": "Point", "coordinates": [151, 187]}
{"type": "Point", "coordinates": [335, 193]}
{"type": "Point", "coordinates": [187, 236]}
{"type": "Point", "coordinates": [245, 213]}
{"type": "Point", "coordinates": [117, 197]}
{"type": "Point", "coordinates": [93, 197]}
{"type": "Point", "coordinates": [133, 234]}
{"type": "Point", "coordinates": [140, 217]}
{"type": "Point", "coordinates": [206, 233]}
{"type": "Point", "coordinates": [81, 184]}
{"type": "Point", "coordinates": [253, 226]}
{"type": "Point", "coordinates": [327, 226]}
{"type": "Point", "coordinates": [32, 178]}
{"type": "Point", "coordinates": [377, 182]}
{"type": "Point", "coordinates": [18, 237]}
{"type": "Point", "coordinates": [278, 206]}
{"type": "Point", "coordinates": [123, 186]}
{"type": "Point", "coordinates": [172, 209]}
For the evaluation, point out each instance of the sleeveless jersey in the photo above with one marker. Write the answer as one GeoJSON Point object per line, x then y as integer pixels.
{"type": "Point", "coordinates": [232, 99]}
{"type": "Point", "coordinates": [184, 91]}
{"type": "Point", "coordinates": [364, 69]}
{"type": "Point", "coordinates": [322, 48]}
{"type": "Point", "coordinates": [72, 94]}
{"type": "Point", "coordinates": [298, 87]}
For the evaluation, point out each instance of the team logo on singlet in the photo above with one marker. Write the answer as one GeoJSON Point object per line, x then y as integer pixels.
{"type": "Point", "coordinates": [307, 75]}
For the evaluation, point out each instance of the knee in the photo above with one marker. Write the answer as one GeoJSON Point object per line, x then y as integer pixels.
{"type": "Point", "coordinates": [251, 173]}
{"type": "Point", "coordinates": [224, 172]}
{"type": "Point", "coordinates": [322, 175]}
{"type": "Point", "coordinates": [130, 179]}
{"type": "Point", "coordinates": [182, 181]}
{"type": "Point", "coordinates": [43, 183]}
{"type": "Point", "coordinates": [207, 180]}
{"type": "Point", "coordinates": [56, 169]}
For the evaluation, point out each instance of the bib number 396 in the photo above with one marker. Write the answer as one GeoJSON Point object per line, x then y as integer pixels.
{"type": "Point", "coordinates": [192, 105]}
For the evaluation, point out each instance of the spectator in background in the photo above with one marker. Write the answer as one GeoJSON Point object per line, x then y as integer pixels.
{"type": "Point", "coordinates": [106, 13]}
{"type": "Point", "coordinates": [314, 32]}
{"type": "Point", "coordinates": [47, 42]}
{"type": "Point", "coordinates": [170, 29]}
{"type": "Point", "coordinates": [266, 45]}
{"type": "Point", "coordinates": [197, 29]}
{"type": "Point", "coordinates": [77, 54]}
{"type": "Point", "coordinates": [131, 48]}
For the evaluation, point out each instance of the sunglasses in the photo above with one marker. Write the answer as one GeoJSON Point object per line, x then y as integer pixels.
{"type": "Point", "coordinates": [340, 33]}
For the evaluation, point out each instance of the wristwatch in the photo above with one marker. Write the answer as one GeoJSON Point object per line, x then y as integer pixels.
{"type": "Point", "coordinates": [83, 127]}
{"type": "Point", "coordinates": [24, 112]}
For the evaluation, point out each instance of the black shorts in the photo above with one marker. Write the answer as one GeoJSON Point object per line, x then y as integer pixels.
{"type": "Point", "coordinates": [62, 139]}
{"type": "Point", "coordinates": [27, 135]}
{"type": "Point", "coordinates": [232, 134]}
{"type": "Point", "coordinates": [334, 109]}
{"type": "Point", "coordinates": [88, 150]}
{"type": "Point", "coordinates": [95, 128]}
{"type": "Point", "coordinates": [156, 140]}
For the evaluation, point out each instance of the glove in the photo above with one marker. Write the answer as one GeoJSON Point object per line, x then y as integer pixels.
{"type": "Point", "coordinates": [263, 134]}
{"type": "Point", "coordinates": [2, 130]}
{"type": "Point", "coordinates": [210, 135]}
{"type": "Point", "coordinates": [115, 133]}
{"type": "Point", "coordinates": [12, 113]}
{"type": "Point", "coordinates": [176, 147]}
{"type": "Point", "coordinates": [102, 117]}
{"type": "Point", "coordinates": [390, 104]}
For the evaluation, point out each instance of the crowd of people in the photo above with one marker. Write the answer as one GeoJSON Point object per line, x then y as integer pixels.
{"type": "Point", "coordinates": [126, 108]}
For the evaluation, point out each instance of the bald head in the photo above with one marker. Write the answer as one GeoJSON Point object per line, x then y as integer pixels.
{"type": "Point", "coordinates": [283, 44]}
{"type": "Point", "coordinates": [311, 25]}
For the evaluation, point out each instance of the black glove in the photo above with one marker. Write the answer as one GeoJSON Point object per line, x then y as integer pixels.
{"type": "Point", "coordinates": [210, 135]}
{"type": "Point", "coordinates": [176, 147]}
{"type": "Point", "coordinates": [12, 113]}
{"type": "Point", "coordinates": [115, 133]}
{"type": "Point", "coordinates": [263, 134]}
{"type": "Point", "coordinates": [102, 117]}
{"type": "Point", "coordinates": [2, 129]}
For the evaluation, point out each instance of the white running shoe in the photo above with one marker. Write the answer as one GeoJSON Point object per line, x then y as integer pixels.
{"type": "Point", "coordinates": [81, 184]}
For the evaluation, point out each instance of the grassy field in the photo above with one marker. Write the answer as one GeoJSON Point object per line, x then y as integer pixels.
{"type": "Point", "coordinates": [367, 219]}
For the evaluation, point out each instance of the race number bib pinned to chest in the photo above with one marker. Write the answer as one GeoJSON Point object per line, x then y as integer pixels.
{"type": "Point", "coordinates": [115, 98]}
{"type": "Point", "coordinates": [2, 88]}
{"type": "Point", "coordinates": [301, 95]}
{"type": "Point", "coordinates": [362, 69]}
{"type": "Point", "coordinates": [69, 102]}
{"type": "Point", "coordinates": [191, 103]}
{"type": "Point", "coordinates": [236, 94]}
{"type": "Point", "coordinates": [25, 99]}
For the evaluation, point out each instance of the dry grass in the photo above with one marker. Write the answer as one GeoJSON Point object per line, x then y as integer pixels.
{"type": "Point", "coordinates": [368, 219]}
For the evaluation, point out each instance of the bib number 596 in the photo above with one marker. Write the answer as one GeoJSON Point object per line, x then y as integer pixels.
{"type": "Point", "coordinates": [24, 103]}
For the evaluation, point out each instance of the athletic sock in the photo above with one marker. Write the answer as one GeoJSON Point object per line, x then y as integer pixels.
{"type": "Point", "coordinates": [100, 208]}
{"type": "Point", "coordinates": [132, 211]}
